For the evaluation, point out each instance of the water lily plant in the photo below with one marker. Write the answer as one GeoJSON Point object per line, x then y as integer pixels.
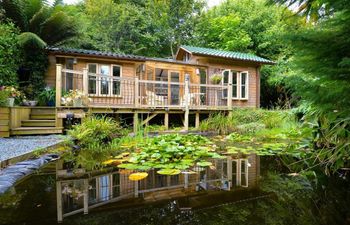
{"type": "Point", "coordinates": [170, 154]}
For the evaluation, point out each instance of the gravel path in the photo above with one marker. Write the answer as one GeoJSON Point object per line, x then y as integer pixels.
{"type": "Point", "coordinates": [17, 146]}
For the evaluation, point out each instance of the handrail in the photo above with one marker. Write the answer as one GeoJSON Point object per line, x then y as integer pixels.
{"type": "Point", "coordinates": [72, 71]}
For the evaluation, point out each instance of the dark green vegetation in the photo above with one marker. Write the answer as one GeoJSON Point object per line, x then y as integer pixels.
{"type": "Point", "coordinates": [38, 25]}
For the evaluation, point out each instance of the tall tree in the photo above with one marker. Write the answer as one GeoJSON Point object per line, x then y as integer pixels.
{"type": "Point", "coordinates": [321, 77]}
{"type": "Point", "coordinates": [255, 27]}
{"type": "Point", "coordinates": [145, 27]}
{"type": "Point", "coordinates": [39, 22]}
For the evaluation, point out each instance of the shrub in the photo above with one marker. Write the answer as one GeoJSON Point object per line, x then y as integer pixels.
{"type": "Point", "coordinates": [94, 137]}
{"type": "Point", "coordinates": [10, 54]}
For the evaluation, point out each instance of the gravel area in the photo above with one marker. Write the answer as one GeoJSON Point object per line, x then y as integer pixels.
{"type": "Point", "coordinates": [17, 146]}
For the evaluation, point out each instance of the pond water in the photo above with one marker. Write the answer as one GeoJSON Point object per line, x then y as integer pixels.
{"type": "Point", "coordinates": [262, 192]}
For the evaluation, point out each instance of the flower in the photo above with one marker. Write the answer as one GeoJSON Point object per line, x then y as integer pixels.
{"type": "Point", "coordinates": [72, 95]}
{"type": "Point", "coordinates": [12, 91]}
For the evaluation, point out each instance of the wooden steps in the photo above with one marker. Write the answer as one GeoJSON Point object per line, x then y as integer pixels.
{"type": "Point", "coordinates": [42, 120]}
{"type": "Point", "coordinates": [38, 123]}
{"type": "Point", "coordinates": [36, 130]}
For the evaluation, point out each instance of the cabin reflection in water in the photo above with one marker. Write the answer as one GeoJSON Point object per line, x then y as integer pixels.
{"type": "Point", "coordinates": [81, 191]}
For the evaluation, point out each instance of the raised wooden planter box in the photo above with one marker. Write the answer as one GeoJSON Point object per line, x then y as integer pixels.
{"type": "Point", "coordinates": [4, 122]}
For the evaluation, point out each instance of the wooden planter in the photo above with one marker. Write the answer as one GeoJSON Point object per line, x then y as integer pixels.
{"type": "Point", "coordinates": [4, 122]}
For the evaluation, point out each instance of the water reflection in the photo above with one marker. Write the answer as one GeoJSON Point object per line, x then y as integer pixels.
{"type": "Point", "coordinates": [79, 191]}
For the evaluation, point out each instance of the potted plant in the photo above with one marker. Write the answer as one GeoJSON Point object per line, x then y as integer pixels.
{"type": "Point", "coordinates": [47, 97]}
{"type": "Point", "coordinates": [75, 98]}
{"type": "Point", "coordinates": [216, 78]}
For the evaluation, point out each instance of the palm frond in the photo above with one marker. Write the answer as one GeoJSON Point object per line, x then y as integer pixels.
{"type": "Point", "coordinates": [38, 19]}
{"type": "Point", "coordinates": [58, 28]}
{"type": "Point", "coordinates": [14, 10]}
{"type": "Point", "coordinates": [28, 40]}
{"type": "Point", "coordinates": [33, 6]}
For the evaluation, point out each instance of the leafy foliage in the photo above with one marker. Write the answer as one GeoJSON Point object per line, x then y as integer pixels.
{"type": "Point", "coordinates": [171, 153]}
{"type": "Point", "coordinates": [95, 139]}
{"type": "Point", "coordinates": [10, 54]}
{"type": "Point", "coordinates": [42, 22]}
{"type": "Point", "coordinates": [321, 78]}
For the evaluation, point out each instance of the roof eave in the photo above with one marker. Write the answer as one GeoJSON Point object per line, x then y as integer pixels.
{"type": "Point", "coordinates": [237, 59]}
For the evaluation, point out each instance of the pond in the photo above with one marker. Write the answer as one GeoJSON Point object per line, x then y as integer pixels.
{"type": "Point", "coordinates": [261, 192]}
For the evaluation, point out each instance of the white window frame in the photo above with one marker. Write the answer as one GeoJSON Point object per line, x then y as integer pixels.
{"type": "Point", "coordinates": [238, 77]}
{"type": "Point", "coordinates": [120, 80]}
{"type": "Point", "coordinates": [223, 82]}
{"type": "Point", "coordinates": [95, 75]}
{"type": "Point", "coordinates": [110, 79]}
{"type": "Point", "coordinates": [246, 85]}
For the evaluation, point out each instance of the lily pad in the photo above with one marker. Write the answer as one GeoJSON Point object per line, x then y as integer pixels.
{"type": "Point", "coordinates": [138, 176]}
{"type": "Point", "coordinates": [169, 171]}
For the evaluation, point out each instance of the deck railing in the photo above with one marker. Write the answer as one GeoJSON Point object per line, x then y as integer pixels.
{"type": "Point", "coordinates": [106, 90]}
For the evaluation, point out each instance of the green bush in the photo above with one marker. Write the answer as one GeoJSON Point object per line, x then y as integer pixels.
{"type": "Point", "coordinates": [10, 54]}
{"type": "Point", "coordinates": [3, 97]}
{"type": "Point", "coordinates": [95, 138]}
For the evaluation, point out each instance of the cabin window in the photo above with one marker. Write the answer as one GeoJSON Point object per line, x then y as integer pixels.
{"type": "Point", "coordinates": [239, 81]}
{"type": "Point", "coordinates": [92, 69]}
{"type": "Point", "coordinates": [92, 191]}
{"type": "Point", "coordinates": [116, 185]}
{"type": "Point", "coordinates": [104, 83]}
{"type": "Point", "coordinates": [234, 84]}
{"type": "Point", "coordinates": [104, 79]}
{"type": "Point", "coordinates": [244, 172]}
{"type": "Point", "coordinates": [69, 76]}
{"type": "Point", "coordinates": [104, 188]}
{"type": "Point", "coordinates": [225, 80]}
{"type": "Point", "coordinates": [244, 85]}
{"type": "Point", "coordinates": [203, 89]}
{"type": "Point", "coordinates": [116, 72]}
{"type": "Point", "coordinates": [186, 57]}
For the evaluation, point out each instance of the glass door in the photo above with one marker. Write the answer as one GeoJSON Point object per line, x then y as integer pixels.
{"type": "Point", "coordinates": [174, 89]}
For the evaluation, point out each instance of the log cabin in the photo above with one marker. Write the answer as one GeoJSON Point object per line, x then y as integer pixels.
{"type": "Point", "coordinates": [146, 87]}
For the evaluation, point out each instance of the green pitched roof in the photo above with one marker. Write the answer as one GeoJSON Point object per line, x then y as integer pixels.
{"type": "Point", "coordinates": [225, 54]}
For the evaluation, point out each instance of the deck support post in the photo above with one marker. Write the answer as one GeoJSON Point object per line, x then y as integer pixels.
{"type": "Point", "coordinates": [229, 172]}
{"type": "Point", "coordinates": [136, 193]}
{"type": "Point", "coordinates": [58, 84]}
{"type": "Point", "coordinates": [59, 201]}
{"type": "Point", "coordinates": [187, 110]}
{"type": "Point", "coordinates": [136, 121]}
{"type": "Point", "coordinates": [137, 102]}
{"type": "Point", "coordinates": [197, 120]}
{"type": "Point", "coordinates": [86, 196]}
{"type": "Point", "coordinates": [166, 120]}
{"type": "Point", "coordinates": [186, 180]}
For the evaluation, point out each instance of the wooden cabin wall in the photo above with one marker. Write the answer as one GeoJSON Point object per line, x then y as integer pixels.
{"type": "Point", "coordinates": [252, 68]}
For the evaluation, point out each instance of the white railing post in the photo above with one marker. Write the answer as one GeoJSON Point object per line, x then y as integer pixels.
{"type": "Point", "coordinates": [137, 88]}
{"type": "Point", "coordinates": [58, 84]}
{"type": "Point", "coordinates": [86, 196]}
{"type": "Point", "coordinates": [187, 95]}
{"type": "Point", "coordinates": [85, 81]}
